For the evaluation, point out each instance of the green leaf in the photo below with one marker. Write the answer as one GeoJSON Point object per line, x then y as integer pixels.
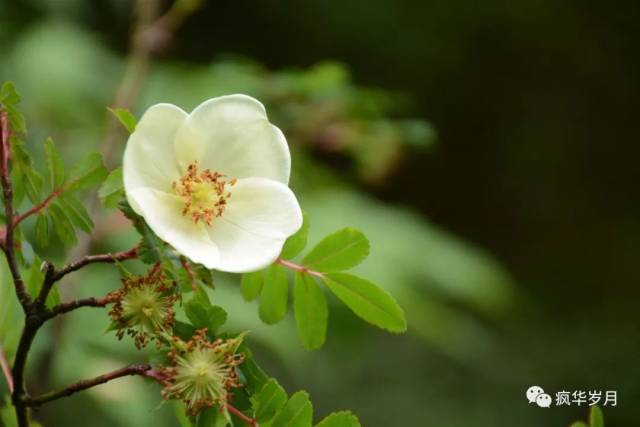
{"type": "Point", "coordinates": [31, 181]}
{"type": "Point", "coordinates": [62, 225]}
{"type": "Point", "coordinates": [112, 189]}
{"type": "Point", "coordinates": [211, 417]}
{"type": "Point", "coordinates": [54, 164]}
{"type": "Point", "coordinates": [203, 316]}
{"type": "Point", "coordinates": [8, 94]}
{"type": "Point", "coordinates": [275, 293]}
{"type": "Point", "coordinates": [181, 415]}
{"type": "Point", "coordinates": [76, 212]}
{"type": "Point", "coordinates": [151, 247]}
{"type": "Point", "coordinates": [596, 418]}
{"type": "Point", "coordinates": [268, 400]}
{"type": "Point", "coordinates": [297, 412]}
{"type": "Point", "coordinates": [338, 251]}
{"type": "Point", "coordinates": [255, 377]}
{"type": "Point", "coordinates": [125, 118]}
{"type": "Point", "coordinates": [42, 230]}
{"type": "Point", "coordinates": [296, 243]}
{"type": "Point", "coordinates": [367, 300]}
{"type": "Point", "coordinates": [251, 285]}
{"type": "Point", "coordinates": [88, 172]}
{"type": "Point", "coordinates": [340, 419]}
{"type": "Point", "coordinates": [8, 414]}
{"type": "Point", "coordinates": [183, 330]}
{"type": "Point", "coordinates": [310, 308]}
{"type": "Point", "coordinates": [34, 278]}
{"type": "Point", "coordinates": [579, 424]}
{"type": "Point", "coordinates": [9, 98]}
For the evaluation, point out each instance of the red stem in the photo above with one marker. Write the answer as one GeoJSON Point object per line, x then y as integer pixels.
{"type": "Point", "coordinates": [235, 411]}
{"type": "Point", "coordinates": [192, 277]}
{"type": "Point", "coordinates": [37, 208]}
{"type": "Point", "coordinates": [6, 370]}
{"type": "Point", "coordinates": [298, 267]}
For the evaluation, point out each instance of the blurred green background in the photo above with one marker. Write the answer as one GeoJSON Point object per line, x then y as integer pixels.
{"type": "Point", "coordinates": [488, 149]}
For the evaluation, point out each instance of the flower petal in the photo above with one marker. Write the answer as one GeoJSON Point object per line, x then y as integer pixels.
{"type": "Point", "coordinates": [232, 135]}
{"type": "Point", "coordinates": [163, 214]}
{"type": "Point", "coordinates": [149, 158]}
{"type": "Point", "coordinates": [259, 217]}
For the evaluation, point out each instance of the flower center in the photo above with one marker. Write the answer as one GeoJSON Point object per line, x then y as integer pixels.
{"type": "Point", "coordinates": [205, 193]}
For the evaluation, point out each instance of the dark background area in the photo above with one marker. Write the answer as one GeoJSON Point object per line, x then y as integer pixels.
{"type": "Point", "coordinates": [535, 105]}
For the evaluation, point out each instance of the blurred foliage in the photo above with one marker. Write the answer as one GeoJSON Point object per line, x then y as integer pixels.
{"type": "Point", "coordinates": [507, 87]}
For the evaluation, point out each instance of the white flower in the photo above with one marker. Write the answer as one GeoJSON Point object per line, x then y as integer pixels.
{"type": "Point", "coordinates": [213, 183]}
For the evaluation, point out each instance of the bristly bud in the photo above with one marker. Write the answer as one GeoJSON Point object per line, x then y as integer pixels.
{"type": "Point", "coordinates": [202, 373]}
{"type": "Point", "coordinates": [144, 306]}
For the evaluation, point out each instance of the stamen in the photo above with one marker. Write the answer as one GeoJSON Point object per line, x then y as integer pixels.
{"type": "Point", "coordinates": [205, 194]}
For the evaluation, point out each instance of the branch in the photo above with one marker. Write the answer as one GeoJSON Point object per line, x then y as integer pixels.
{"type": "Point", "coordinates": [7, 192]}
{"type": "Point", "coordinates": [6, 369]}
{"type": "Point", "coordinates": [37, 208]}
{"type": "Point", "coordinates": [92, 259]}
{"type": "Point", "coordinates": [298, 267]}
{"type": "Point", "coordinates": [85, 384]}
{"type": "Point", "coordinates": [52, 276]}
{"type": "Point", "coordinates": [72, 305]}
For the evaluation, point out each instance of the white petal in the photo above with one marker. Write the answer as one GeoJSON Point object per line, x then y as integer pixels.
{"type": "Point", "coordinates": [232, 135]}
{"type": "Point", "coordinates": [259, 217]}
{"type": "Point", "coordinates": [163, 214]}
{"type": "Point", "coordinates": [149, 158]}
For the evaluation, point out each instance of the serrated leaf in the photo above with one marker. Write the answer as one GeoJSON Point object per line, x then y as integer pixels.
{"type": "Point", "coordinates": [310, 309]}
{"type": "Point", "coordinates": [112, 189]}
{"type": "Point", "coordinates": [296, 243]}
{"type": "Point", "coordinates": [268, 400]}
{"type": "Point", "coordinates": [275, 294]}
{"type": "Point", "coordinates": [88, 172]}
{"type": "Point", "coordinates": [32, 184]}
{"type": "Point", "coordinates": [9, 94]}
{"type": "Point", "coordinates": [297, 412]}
{"type": "Point", "coordinates": [183, 330]}
{"type": "Point", "coordinates": [340, 419]}
{"type": "Point", "coordinates": [596, 418]}
{"type": "Point", "coordinates": [42, 230]}
{"type": "Point", "coordinates": [9, 98]}
{"type": "Point", "coordinates": [150, 248]}
{"type": "Point", "coordinates": [54, 164]}
{"type": "Point", "coordinates": [30, 180]}
{"type": "Point", "coordinates": [338, 251]}
{"type": "Point", "coordinates": [251, 285]}
{"type": "Point", "coordinates": [367, 300]}
{"type": "Point", "coordinates": [203, 316]}
{"type": "Point", "coordinates": [125, 118]}
{"type": "Point", "coordinates": [62, 225]}
{"type": "Point", "coordinates": [76, 212]}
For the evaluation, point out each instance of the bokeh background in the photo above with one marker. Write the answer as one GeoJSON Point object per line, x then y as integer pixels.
{"type": "Point", "coordinates": [488, 149]}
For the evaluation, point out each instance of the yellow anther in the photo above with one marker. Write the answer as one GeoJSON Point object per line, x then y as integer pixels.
{"type": "Point", "coordinates": [205, 193]}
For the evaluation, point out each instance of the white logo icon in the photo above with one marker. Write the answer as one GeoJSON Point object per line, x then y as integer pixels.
{"type": "Point", "coordinates": [543, 400]}
{"type": "Point", "coordinates": [533, 392]}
